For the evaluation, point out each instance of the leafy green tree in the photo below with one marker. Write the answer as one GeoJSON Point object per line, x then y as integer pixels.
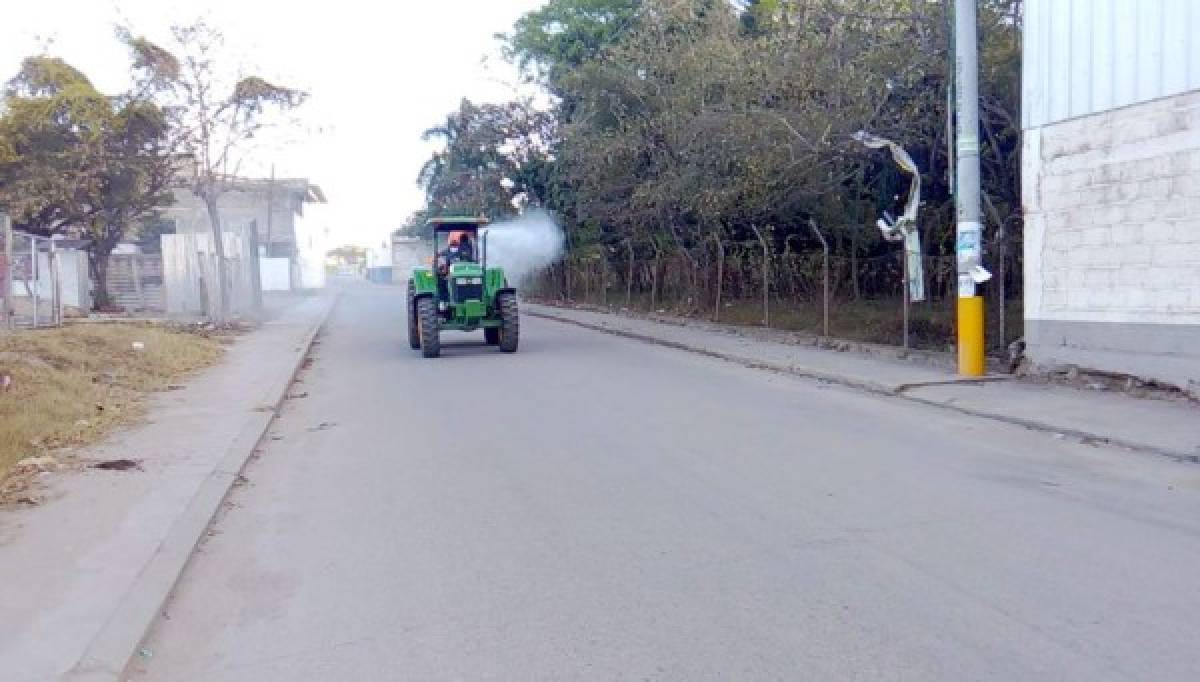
{"type": "Point", "coordinates": [82, 161]}
{"type": "Point", "coordinates": [53, 131]}
{"type": "Point", "coordinates": [493, 158]}
{"type": "Point", "coordinates": [550, 42]}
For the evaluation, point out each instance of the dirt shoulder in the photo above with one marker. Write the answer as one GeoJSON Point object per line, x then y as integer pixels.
{"type": "Point", "coordinates": [71, 385]}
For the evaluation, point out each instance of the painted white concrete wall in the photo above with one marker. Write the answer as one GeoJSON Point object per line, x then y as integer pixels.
{"type": "Point", "coordinates": [1111, 186]}
{"type": "Point", "coordinates": [239, 208]}
{"type": "Point", "coordinates": [1112, 207]}
{"type": "Point", "coordinates": [1112, 241]}
{"type": "Point", "coordinates": [276, 274]}
{"type": "Point", "coordinates": [407, 253]}
{"type": "Point", "coordinates": [313, 241]}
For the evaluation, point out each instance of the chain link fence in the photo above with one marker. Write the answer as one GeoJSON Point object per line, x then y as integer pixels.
{"type": "Point", "coordinates": [30, 280]}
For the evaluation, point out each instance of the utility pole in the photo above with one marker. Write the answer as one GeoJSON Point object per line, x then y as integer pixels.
{"type": "Point", "coordinates": [969, 230]}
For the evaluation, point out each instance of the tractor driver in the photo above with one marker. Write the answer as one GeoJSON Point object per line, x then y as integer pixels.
{"type": "Point", "coordinates": [466, 249]}
{"type": "Point", "coordinates": [458, 249]}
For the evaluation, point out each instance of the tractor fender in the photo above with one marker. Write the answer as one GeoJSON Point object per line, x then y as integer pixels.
{"type": "Point", "coordinates": [415, 296]}
{"type": "Point", "coordinates": [506, 290]}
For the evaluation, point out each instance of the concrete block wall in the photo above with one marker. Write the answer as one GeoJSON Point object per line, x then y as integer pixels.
{"type": "Point", "coordinates": [1112, 241]}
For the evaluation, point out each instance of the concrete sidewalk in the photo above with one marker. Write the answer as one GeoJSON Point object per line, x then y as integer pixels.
{"type": "Point", "coordinates": [84, 575]}
{"type": "Point", "coordinates": [1158, 426]}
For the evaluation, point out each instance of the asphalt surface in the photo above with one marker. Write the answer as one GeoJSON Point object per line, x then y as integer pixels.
{"type": "Point", "coordinates": [597, 508]}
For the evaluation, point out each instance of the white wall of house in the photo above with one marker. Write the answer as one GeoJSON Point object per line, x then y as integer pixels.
{"type": "Point", "coordinates": [407, 253]}
{"type": "Point", "coordinates": [276, 274]}
{"type": "Point", "coordinates": [313, 241]}
{"type": "Point", "coordinates": [239, 208]}
{"type": "Point", "coordinates": [1111, 186]}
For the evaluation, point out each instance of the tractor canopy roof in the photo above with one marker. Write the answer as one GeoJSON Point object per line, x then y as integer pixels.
{"type": "Point", "coordinates": [456, 223]}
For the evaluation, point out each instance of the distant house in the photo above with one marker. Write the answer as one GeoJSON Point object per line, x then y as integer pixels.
{"type": "Point", "coordinates": [271, 206]}
{"type": "Point", "coordinates": [407, 253]}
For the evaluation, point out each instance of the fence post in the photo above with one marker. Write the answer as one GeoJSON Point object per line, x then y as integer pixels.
{"type": "Point", "coordinates": [825, 277]}
{"type": "Point", "coordinates": [629, 274]}
{"type": "Point", "coordinates": [7, 302]}
{"type": "Point", "coordinates": [720, 276]}
{"type": "Point", "coordinates": [34, 277]}
{"type": "Point", "coordinates": [1001, 282]}
{"type": "Point", "coordinates": [766, 276]}
{"type": "Point", "coordinates": [654, 284]}
{"type": "Point", "coordinates": [1001, 244]}
{"type": "Point", "coordinates": [55, 286]}
{"type": "Point", "coordinates": [604, 277]}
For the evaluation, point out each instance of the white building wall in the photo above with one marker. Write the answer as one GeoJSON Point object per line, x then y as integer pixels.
{"type": "Point", "coordinates": [239, 209]}
{"type": "Point", "coordinates": [313, 241]}
{"type": "Point", "coordinates": [276, 273]}
{"type": "Point", "coordinates": [1111, 186]}
{"type": "Point", "coordinates": [408, 253]}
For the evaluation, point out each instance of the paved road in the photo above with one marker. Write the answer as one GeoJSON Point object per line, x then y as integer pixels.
{"type": "Point", "coordinates": [595, 508]}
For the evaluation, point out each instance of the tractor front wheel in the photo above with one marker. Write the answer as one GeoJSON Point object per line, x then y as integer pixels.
{"type": "Point", "coordinates": [414, 336]}
{"type": "Point", "coordinates": [510, 324]}
{"type": "Point", "coordinates": [428, 328]}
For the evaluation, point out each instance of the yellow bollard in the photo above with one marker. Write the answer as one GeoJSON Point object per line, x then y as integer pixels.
{"type": "Point", "coordinates": [970, 337]}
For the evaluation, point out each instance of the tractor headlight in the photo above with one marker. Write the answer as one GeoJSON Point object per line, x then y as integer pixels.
{"type": "Point", "coordinates": [476, 280]}
{"type": "Point", "coordinates": [463, 281]}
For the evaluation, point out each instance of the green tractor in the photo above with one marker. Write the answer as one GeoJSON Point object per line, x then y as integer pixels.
{"type": "Point", "coordinates": [459, 291]}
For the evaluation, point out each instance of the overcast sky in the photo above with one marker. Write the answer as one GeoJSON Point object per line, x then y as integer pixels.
{"type": "Point", "coordinates": [379, 73]}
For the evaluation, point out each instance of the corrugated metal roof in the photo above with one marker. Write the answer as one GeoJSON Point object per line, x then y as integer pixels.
{"type": "Point", "coordinates": [1087, 56]}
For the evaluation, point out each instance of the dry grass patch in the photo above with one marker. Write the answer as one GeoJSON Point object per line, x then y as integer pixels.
{"type": "Point", "coordinates": [69, 386]}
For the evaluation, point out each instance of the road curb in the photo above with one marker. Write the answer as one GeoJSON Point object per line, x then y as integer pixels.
{"type": "Point", "coordinates": [897, 391]}
{"type": "Point", "coordinates": [110, 652]}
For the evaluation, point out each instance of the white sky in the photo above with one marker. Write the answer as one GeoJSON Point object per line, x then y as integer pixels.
{"type": "Point", "coordinates": [379, 72]}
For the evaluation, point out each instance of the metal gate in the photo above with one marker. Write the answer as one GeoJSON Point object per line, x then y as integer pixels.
{"type": "Point", "coordinates": [30, 280]}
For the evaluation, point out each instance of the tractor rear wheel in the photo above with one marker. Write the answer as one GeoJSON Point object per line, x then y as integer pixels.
{"type": "Point", "coordinates": [427, 328]}
{"type": "Point", "coordinates": [414, 337]}
{"type": "Point", "coordinates": [491, 335]}
{"type": "Point", "coordinates": [510, 323]}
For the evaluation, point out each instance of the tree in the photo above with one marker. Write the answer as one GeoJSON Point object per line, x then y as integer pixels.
{"type": "Point", "coordinates": [134, 184]}
{"type": "Point", "coordinates": [494, 154]}
{"type": "Point", "coordinates": [82, 161]}
{"type": "Point", "coordinates": [53, 131]}
{"type": "Point", "coordinates": [688, 131]}
{"type": "Point", "coordinates": [550, 42]}
{"type": "Point", "coordinates": [213, 118]}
